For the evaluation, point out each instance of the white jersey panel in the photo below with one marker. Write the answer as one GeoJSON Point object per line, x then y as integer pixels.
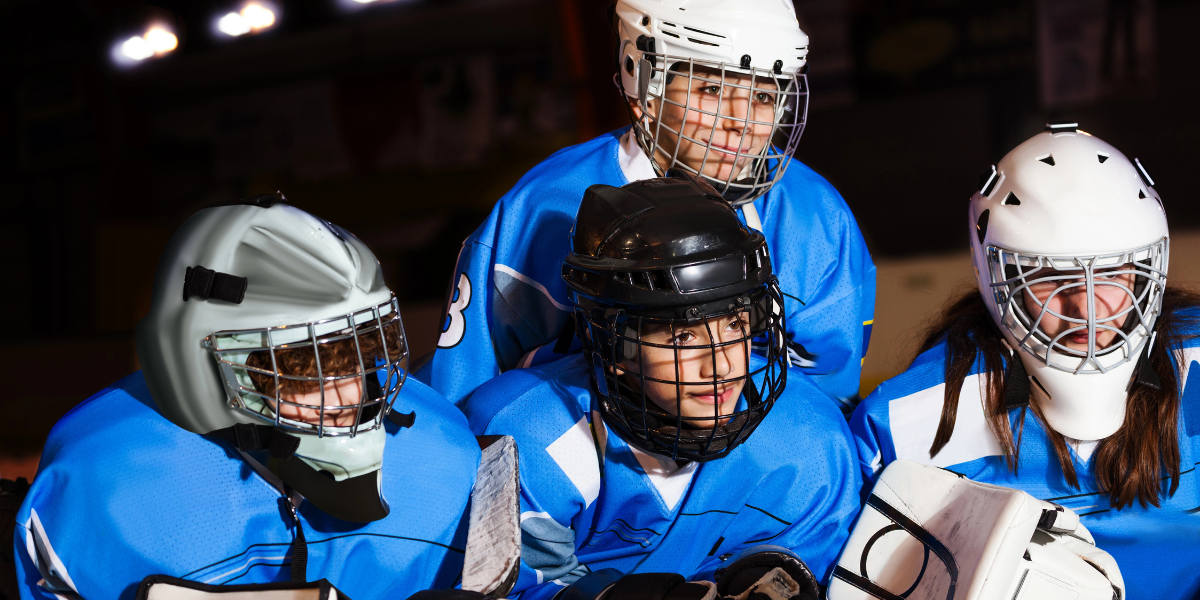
{"type": "Point", "coordinates": [914, 422]}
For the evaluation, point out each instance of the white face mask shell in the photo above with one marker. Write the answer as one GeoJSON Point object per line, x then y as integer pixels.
{"type": "Point", "coordinates": [1067, 198]}
{"type": "Point", "coordinates": [344, 456]}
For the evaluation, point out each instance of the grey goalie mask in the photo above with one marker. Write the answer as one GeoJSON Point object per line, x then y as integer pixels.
{"type": "Point", "coordinates": [670, 289]}
{"type": "Point", "coordinates": [264, 315]}
{"type": "Point", "coordinates": [719, 87]}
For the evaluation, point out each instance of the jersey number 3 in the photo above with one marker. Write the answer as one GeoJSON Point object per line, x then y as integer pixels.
{"type": "Point", "coordinates": [455, 324]}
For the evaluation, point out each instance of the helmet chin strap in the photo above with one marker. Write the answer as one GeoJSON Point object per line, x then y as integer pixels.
{"type": "Point", "coordinates": [357, 499]}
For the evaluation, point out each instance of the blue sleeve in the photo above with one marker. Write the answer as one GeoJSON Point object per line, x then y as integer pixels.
{"type": "Point", "coordinates": [864, 429]}
{"type": "Point", "coordinates": [27, 573]}
{"type": "Point", "coordinates": [464, 358]}
{"type": "Point", "coordinates": [828, 277]}
{"type": "Point", "coordinates": [550, 502]}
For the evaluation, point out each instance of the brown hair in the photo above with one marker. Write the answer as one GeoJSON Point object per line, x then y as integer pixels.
{"type": "Point", "coordinates": [1130, 464]}
{"type": "Point", "coordinates": [337, 358]}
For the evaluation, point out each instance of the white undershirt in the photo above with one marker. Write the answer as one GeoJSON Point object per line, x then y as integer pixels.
{"type": "Point", "coordinates": [1083, 449]}
{"type": "Point", "coordinates": [636, 166]}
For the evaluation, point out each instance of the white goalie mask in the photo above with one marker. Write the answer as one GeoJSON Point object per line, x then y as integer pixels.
{"type": "Point", "coordinates": [1069, 243]}
{"type": "Point", "coordinates": [265, 315]}
{"type": "Point", "coordinates": [720, 86]}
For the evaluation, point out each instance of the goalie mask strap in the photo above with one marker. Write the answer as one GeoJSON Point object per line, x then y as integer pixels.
{"type": "Point", "coordinates": [1016, 383]}
{"type": "Point", "coordinates": [256, 438]}
{"type": "Point", "coordinates": [203, 284]}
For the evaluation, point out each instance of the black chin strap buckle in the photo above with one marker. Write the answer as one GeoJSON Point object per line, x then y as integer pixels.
{"type": "Point", "coordinates": [1145, 372]}
{"type": "Point", "coordinates": [1016, 383]}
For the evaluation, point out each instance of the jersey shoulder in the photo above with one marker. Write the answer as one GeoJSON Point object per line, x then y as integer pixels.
{"type": "Point", "coordinates": [532, 403]}
{"type": "Point", "coordinates": [570, 171]}
{"type": "Point", "coordinates": [807, 192]}
{"type": "Point", "coordinates": [1187, 325]}
{"type": "Point", "coordinates": [118, 422]}
{"type": "Point", "coordinates": [433, 410]}
{"type": "Point", "coordinates": [544, 201]}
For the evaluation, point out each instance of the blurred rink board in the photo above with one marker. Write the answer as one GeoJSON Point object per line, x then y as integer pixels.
{"type": "Point", "coordinates": [912, 291]}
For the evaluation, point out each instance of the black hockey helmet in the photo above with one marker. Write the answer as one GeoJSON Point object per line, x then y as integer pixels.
{"type": "Point", "coordinates": [670, 252]}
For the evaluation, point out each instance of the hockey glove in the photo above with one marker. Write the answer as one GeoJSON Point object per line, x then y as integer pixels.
{"type": "Point", "coordinates": [610, 584]}
{"type": "Point", "coordinates": [766, 572]}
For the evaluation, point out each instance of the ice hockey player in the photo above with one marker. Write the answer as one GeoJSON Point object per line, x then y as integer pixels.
{"type": "Point", "coordinates": [238, 455]}
{"type": "Point", "coordinates": [666, 445]}
{"type": "Point", "coordinates": [1066, 374]}
{"type": "Point", "coordinates": [718, 90]}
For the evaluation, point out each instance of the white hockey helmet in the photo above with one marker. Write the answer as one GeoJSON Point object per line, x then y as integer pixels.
{"type": "Point", "coordinates": [1066, 215]}
{"type": "Point", "coordinates": [752, 48]}
{"type": "Point", "coordinates": [243, 297]}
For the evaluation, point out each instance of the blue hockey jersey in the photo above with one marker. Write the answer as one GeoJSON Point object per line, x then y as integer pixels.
{"type": "Point", "coordinates": [123, 493]}
{"type": "Point", "coordinates": [1157, 548]}
{"type": "Point", "coordinates": [591, 501]}
{"type": "Point", "coordinates": [509, 305]}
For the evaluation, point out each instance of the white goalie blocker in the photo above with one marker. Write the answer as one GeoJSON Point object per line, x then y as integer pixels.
{"type": "Point", "coordinates": [932, 534]}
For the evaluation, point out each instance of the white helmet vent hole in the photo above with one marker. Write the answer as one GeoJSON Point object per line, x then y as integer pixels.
{"type": "Point", "coordinates": [1141, 194]}
{"type": "Point", "coordinates": [1101, 157]}
{"type": "Point", "coordinates": [1011, 200]}
{"type": "Point", "coordinates": [1048, 159]}
{"type": "Point", "coordinates": [981, 225]}
{"type": "Point", "coordinates": [703, 32]}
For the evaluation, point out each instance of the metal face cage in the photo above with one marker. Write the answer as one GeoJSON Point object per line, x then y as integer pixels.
{"type": "Point", "coordinates": [1015, 275]}
{"type": "Point", "coordinates": [616, 346]}
{"type": "Point", "coordinates": [768, 108]}
{"type": "Point", "coordinates": [266, 370]}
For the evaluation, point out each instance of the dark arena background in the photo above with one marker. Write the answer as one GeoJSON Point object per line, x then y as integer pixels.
{"type": "Point", "coordinates": [404, 121]}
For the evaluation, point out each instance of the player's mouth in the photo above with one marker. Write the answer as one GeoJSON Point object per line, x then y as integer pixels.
{"type": "Point", "coordinates": [729, 151]}
{"type": "Point", "coordinates": [723, 396]}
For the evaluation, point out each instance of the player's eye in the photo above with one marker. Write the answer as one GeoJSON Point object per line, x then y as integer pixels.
{"type": "Point", "coordinates": [736, 324]}
{"type": "Point", "coordinates": [712, 89]}
{"type": "Point", "coordinates": [764, 97]}
{"type": "Point", "coordinates": [682, 338]}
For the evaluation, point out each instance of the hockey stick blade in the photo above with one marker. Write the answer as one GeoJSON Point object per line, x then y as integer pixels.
{"type": "Point", "coordinates": [493, 554]}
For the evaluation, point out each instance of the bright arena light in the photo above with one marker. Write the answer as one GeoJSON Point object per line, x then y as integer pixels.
{"type": "Point", "coordinates": [161, 40]}
{"type": "Point", "coordinates": [137, 48]}
{"type": "Point", "coordinates": [253, 18]}
{"type": "Point", "coordinates": [258, 16]}
{"type": "Point", "coordinates": [157, 41]}
{"type": "Point", "coordinates": [233, 24]}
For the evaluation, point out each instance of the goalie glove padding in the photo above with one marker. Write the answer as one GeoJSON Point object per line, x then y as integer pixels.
{"type": "Point", "coordinates": [931, 533]}
{"type": "Point", "coordinates": [165, 587]}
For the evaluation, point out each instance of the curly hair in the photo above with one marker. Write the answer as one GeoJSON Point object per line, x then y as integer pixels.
{"type": "Point", "coordinates": [339, 356]}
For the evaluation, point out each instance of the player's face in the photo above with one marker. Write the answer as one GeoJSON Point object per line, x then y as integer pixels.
{"type": "Point", "coordinates": [712, 378]}
{"type": "Point", "coordinates": [1069, 297]}
{"type": "Point", "coordinates": [723, 124]}
{"type": "Point", "coordinates": [341, 399]}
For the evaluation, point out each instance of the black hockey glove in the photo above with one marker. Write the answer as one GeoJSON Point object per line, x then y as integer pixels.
{"type": "Point", "coordinates": [767, 573]}
{"type": "Point", "coordinates": [610, 584]}
{"type": "Point", "coordinates": [449, 595]}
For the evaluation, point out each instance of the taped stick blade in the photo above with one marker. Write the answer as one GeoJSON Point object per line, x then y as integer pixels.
{"type": "Point", "coordinates": [493, 554]}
